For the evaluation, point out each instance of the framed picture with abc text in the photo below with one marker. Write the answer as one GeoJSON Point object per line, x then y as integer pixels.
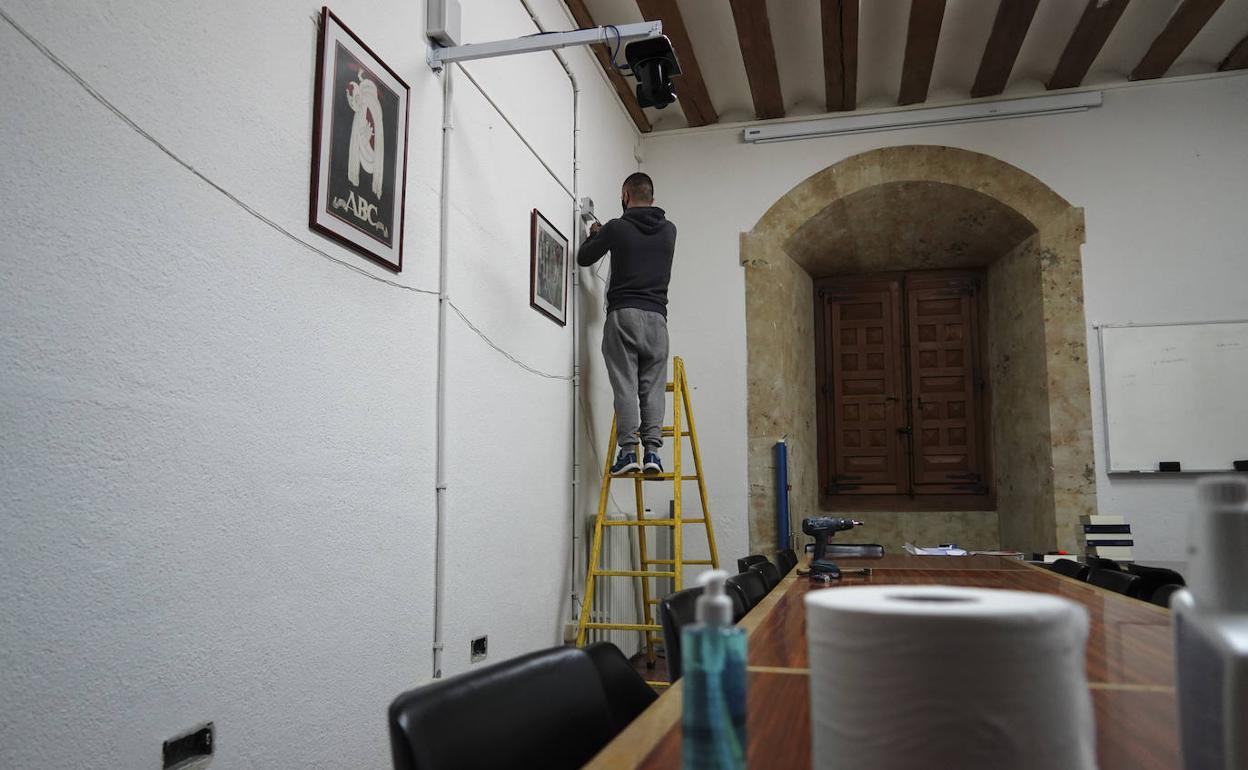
{"type": "Point", "coordinates": [359, 146]}
{"type": "Point", "coordinates": [548, 269]}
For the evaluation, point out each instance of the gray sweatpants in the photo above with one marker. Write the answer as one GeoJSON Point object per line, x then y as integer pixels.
{"type": "Point", "coordinates": [634, 345]}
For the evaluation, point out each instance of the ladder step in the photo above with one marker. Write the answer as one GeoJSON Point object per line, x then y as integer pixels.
{"type": "Point", "coordinates": [652, 476]}
{"type": "Point", "coordinates": [626, 626]}
{"type": "Point", "coordinates": [653, 523]}
{"type": "Point", "coordinates": [673, 561]}
{"type": "Point", "coordinates": [668, 430]}
{"type": "Point", "coordinates": [671, 387]}
{"type": "Point", "coordinates": [642, 523]}
{"type": "Point", "coordinates": [631, 573]}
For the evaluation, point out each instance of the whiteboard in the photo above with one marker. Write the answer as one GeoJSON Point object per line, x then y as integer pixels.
{"type": "Point", "coordinates": [1175, 392]}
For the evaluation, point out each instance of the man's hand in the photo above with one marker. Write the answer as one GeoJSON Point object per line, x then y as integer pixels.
{"type": "Point", "coordinates": [594, 228]}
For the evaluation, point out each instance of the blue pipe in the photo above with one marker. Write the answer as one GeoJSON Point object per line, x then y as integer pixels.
{"type": "Point", "coordinates": [782, 494]}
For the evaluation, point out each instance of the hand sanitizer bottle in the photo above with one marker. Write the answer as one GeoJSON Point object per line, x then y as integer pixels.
{"type": "Point", "coordinates": [1211, 631]}
{"type": "Point", "coordinates": [713, 661]}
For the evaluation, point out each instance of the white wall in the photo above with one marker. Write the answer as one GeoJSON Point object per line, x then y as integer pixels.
{"type": "Point", "coordinates": [1160, 170]}
{"type": "Point", "coordinates": [218, 470]}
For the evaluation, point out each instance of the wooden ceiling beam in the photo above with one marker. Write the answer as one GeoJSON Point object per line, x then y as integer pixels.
{"type": "Point", "coordinates": [583, 19]}
{"type": "Point", "coordinates": [840, 54]}
{"type": "Point", "coordinates": [759, 54]}
{"type": "Point", "coordinates": [1009, 29]}
{"type": "Point", "coordinates": [922, 34]}
{"type": "Point", "coordinates": [1237, 59]}
{"type": "Point", "coordinates": [1098, 20]}
{"type": "Point", "coordinates": [1186, 22]}
{"type": "Point", "coordinates": [690, 87]}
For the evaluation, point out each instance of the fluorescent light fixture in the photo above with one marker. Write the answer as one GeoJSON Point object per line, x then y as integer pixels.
{"type": "Point", "coordinates": [973, 112]}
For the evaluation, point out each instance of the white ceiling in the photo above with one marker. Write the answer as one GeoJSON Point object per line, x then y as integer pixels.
{"type": "Point", "coordinates": [796, 33]}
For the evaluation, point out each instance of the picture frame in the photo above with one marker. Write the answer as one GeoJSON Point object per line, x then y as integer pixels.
{"type": "Point", "coordinates": [548, 269]}
{"type": "Point", "coordinates": [359, 146]}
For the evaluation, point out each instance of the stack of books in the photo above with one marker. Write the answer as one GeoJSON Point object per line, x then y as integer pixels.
{"type": "Point", "coordinates": [1108, 537]}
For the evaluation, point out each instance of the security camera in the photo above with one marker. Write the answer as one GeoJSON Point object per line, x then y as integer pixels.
{"type": "Point", "coordinates": [653, 63]}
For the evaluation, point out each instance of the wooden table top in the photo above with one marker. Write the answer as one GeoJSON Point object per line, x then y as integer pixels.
{"type": "Point", "coordinates": [1129, 666]}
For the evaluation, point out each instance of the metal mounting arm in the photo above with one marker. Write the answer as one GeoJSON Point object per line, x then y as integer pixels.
{"type": "Point", "coordinates": [439, 56]}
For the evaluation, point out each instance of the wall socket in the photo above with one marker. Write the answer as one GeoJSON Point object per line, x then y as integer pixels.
{"type": "Point", "coordinates": [479, 649]}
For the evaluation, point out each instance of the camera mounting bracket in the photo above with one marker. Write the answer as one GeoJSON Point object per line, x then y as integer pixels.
{"type": "Point", "coordinates": [440, 56]}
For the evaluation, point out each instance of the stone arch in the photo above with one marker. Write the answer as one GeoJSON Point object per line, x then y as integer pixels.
{"type": "Point", "coordinates": [925, 206]}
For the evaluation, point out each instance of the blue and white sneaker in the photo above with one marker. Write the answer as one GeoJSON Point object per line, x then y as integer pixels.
{"type": "Point", "coordinates": [652, 463]}
{"type": "Point", "coordinates": [626, 462]}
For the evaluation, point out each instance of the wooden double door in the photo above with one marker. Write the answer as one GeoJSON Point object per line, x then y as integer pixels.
{"type": "Point", "coordinates": [902, 400]}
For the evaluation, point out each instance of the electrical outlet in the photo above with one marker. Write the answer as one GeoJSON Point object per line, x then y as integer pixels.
{"type": "Point", "coordinates": [192, 749]}
{"type": "Point", "coordinates": [569, 632]}
{"type": "Point", "coordinates": [479, 647]}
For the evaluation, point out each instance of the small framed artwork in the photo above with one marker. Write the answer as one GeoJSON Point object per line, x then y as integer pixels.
{"type": "Point", "coordinates": [548, 269]}
{"type": "Point", "coordinates": [359, 146]}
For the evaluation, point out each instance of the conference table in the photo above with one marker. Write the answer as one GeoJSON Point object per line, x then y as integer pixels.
{"type": "Point", "coordinates": [1129, 667]}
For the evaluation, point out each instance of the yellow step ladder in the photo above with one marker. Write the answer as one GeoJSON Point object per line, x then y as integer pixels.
{"type": "Point", "coordinates": [679, 388]}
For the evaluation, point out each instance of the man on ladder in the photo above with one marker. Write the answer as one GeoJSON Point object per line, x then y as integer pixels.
{"type": "Point", "coordinates": [634, 339]}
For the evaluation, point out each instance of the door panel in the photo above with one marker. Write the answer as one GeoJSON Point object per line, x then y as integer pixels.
{"type": "Point", "coordinates": [863, 388]}
{"type": "Point", "coordinates": [943, 332]}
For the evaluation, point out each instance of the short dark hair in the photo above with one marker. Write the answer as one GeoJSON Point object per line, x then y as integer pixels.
{"type": "Point", "coordinates": [640, 186]}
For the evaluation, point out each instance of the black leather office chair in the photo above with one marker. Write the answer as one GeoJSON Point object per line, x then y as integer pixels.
{"type": "Point", "coordinates": [786, 560]}
{"type": "Point", "coordinates": [745, 562]}
{"type": "Point", "coordinates": [676, 610]}
{"type": "Point", "coordinates": [750, 585]}
{"type": "Point", "coordinates": [1116, 580]}
{"type": "Point", "coordinates": [1070, 568]}
{"type": "Point", "coordinates": [1162, 594]}
{"type": "Point", "coordinates": [679, 609]}
{"type": "Point", "coordinates": [627, 693]}
{"type": "Point", "coordinates": [546, 709]}
{"type": "Point", "coordinates": [771, 575]}
{"type": "Point", "coordinates": [1153, 578]}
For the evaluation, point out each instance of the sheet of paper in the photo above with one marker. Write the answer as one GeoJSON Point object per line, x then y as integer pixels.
{"type": "Point", "coordinates": [940, 550]}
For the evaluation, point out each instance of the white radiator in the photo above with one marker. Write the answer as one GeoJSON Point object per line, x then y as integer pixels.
{"type": "Point", "coordinates": [616, 599]}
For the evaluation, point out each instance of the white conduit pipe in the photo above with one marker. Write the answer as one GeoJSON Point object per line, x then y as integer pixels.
{"type": "Point", "coordinates": [439, 569]}
{"type": "Point", "coordinates": [573, 310]}
{"type": "Point", "coordinates": [439, 529]}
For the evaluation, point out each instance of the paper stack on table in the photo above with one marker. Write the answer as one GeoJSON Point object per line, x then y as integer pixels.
{"type": "Point", "coordinates": [947, 549]}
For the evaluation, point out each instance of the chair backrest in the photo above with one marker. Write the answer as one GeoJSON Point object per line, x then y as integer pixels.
{"type": "Point", "coordinates": [745, 562]}
{"type": "Point", "coordinates": [1115, 580]}
{"type": "Point", "coordinates": [676, 610]}
{"type": "Point", "coordinates": [545, 709]}
{"type": "Point", "coordinates": [1153, 578]}
{"type": "Point", "coordinates": [1070, 568]}
{"type": "Point", "coordinates": [1161, 595]}
{"type": "Point", "coordinates": [771, 575]}
{"type": "Point", "coordinates": [1096, 562]}
{"type": "Point", "coordinates": [751, 586]}
{"type": "Point", "coordinates": [786, 560]}
{"type": "Point", "coordinates": [854, 550]}
{"type": "Point", "coordinates": [627, 693]}
{"type": "Point", "coordinates": [679, 609]}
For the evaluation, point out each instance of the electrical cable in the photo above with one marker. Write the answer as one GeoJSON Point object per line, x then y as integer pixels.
{"type": "Point", "coordinates": [618, 42]}
{"type": "Point", "coordinates": [134, 126]}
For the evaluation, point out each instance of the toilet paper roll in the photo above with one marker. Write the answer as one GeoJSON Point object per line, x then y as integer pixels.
{"type": "Point", "coordinates": [942, 677]}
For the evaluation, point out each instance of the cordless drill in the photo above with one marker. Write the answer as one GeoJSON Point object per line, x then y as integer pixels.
{"type": "Point", "coordinates": [822, 528]}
